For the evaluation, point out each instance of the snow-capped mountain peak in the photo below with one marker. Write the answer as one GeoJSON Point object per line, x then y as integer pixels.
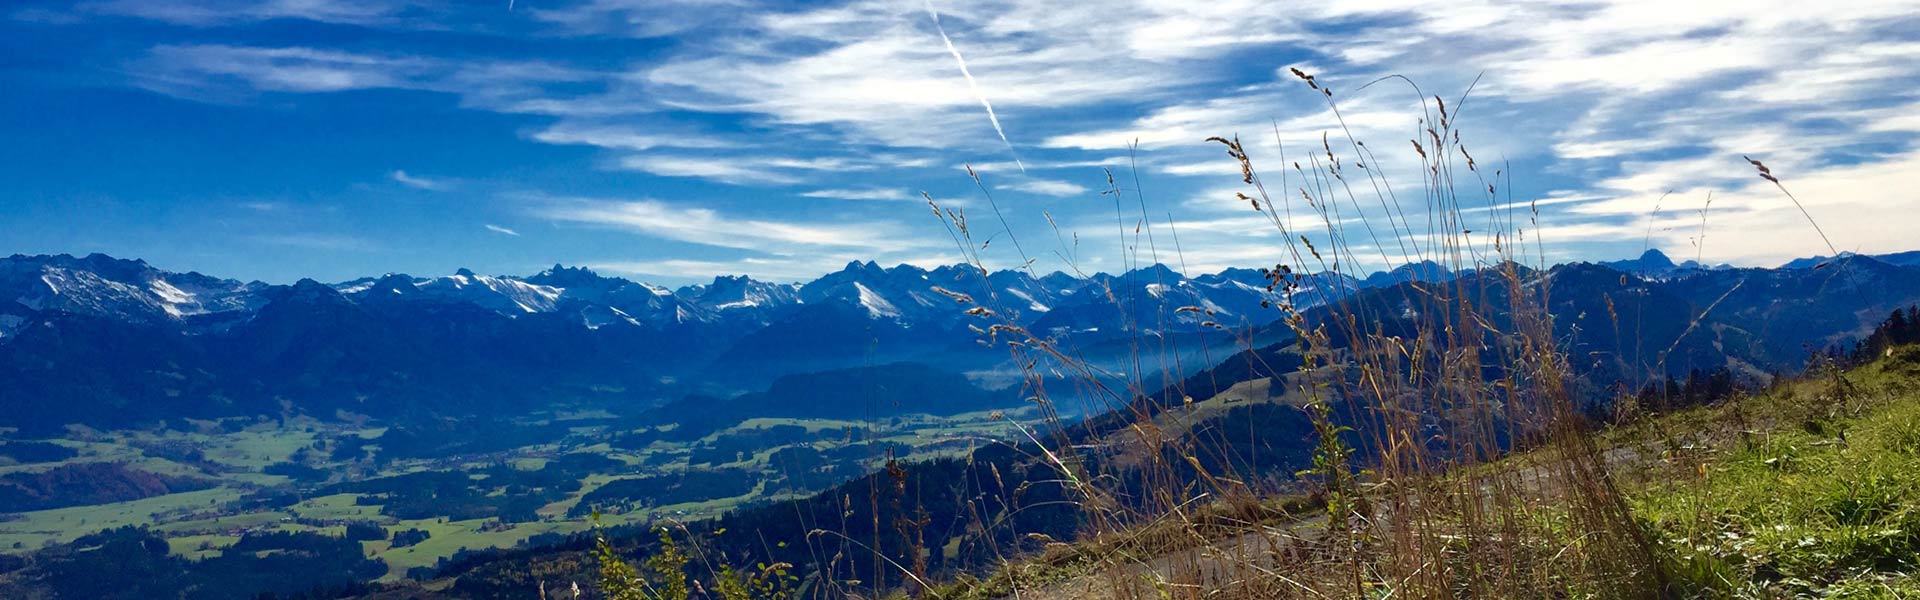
{"type": "Point", "coordinates": [100, 285]}
{"type": "Point", "coordinates": [876, 305]}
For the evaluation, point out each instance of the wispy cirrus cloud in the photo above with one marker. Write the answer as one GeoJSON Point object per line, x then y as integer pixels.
{"type": "Point", "coordinates": [716, 169]}
{"type": "Point", "coordinates": [860, 194]}
{"type": "Point", "coordinates": [190, 70]}
{"type": "Point", "coordinates": [1047, 187]}
{"type": "Point", "coordinates": [622, 137]}
{"type": "Point", "coordinates": [636, 18]}
{"type": "Point", "coordinates": [221, 12]}
{"type": "Point", "coordinates": [766, 268]}
{"type": "Point", "coordinates": [264, 206]}
{"type": "Point", "coordinates": [417, 182]}
{"type": "Point", "coordinates": [1608, 103]}
{"type": "Point", "coordinates": [228, 73]}
{"type": "Point", "coordinates": [747, 168]}
{"type": "Point", "coordinates": [501, 230]}
{"type": "Point", "coordinates": [877, 73]}
{"type": "Point", "coordinates": [709, 227]}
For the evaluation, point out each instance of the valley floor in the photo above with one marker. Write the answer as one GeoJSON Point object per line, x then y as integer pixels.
{"type": "Point", "coordinates": [259, 478]}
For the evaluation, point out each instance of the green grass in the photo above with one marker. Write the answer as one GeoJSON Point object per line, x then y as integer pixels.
{"type": "Point", "coordinates": [264, 519]}
{"type": "Point", "coordinates": [196, 526]}
{"type": "Point", "coordinates": [197, 547]}
{"type": "Point", "coordinates": [258, 447]}
{"type": "Point", "coordinates": [337, 506]}
{"type": "Point", "coordinates": [1823, 505]}
{"type": "Point", "coordinates": [1807, 490]}
{"type": "Point", "coordinates": [447, 538]}
{"type": "Point", "coordinates": [32, 529]}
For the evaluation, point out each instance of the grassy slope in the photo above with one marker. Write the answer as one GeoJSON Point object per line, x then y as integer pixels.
{"type": "Point", "coordinates": [1810, 489]}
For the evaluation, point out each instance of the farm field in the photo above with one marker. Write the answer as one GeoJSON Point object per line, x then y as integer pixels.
{"type": "Point", "coordinates": [244, 477]}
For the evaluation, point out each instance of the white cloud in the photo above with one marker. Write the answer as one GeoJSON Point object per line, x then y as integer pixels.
{"type": "Point", "coordinates": [201, 13]}
{"type": "Point", "coordinates": [765, 268]}
{"type": "Point", "coordinates": [501, 230]}
{"type": "Point", "coordinates": [748, 169]}
{"type": "Point", "coordinates": [1095, 164]}
{"type": "Point", "coordinates": [972, 84]}
{"type": "Point", "coordinates": [635, 18]}
{"type": "Point", "coordinates": [861, 194]}
{"type": "Point", "coordinates": [1860, 207]}
{"type": "Point", "coordinates": [1047, 187]}
{"type": "Point", "coordinates": [778, 269]}
{"type": "Point", "coordinates": [1614, 103]}
{"type": "Point", "coordinates": [719, 169]}
{"type": "Point", "coordinates": [878, 72]}
{"type": "Point", "coordinates": [621, 137]}
{"type": "Point", "coordinates": [263, 206]}
{"type": "Point", "coordinates": [693, 270]}
{"type": "Point", "coordinates": [418, 182]}
{"type": "Point", "coordinates": [225, 73]}
{"type": "Point", "coordinates": [294, 69]}
{"type": "Point", "coordinates": [1216, 168]}
{"type": "Point", "coordinates": [711, 228]}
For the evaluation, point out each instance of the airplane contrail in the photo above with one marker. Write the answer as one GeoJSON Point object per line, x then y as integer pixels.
{"type": "Point", "coordinates": [973, 85]}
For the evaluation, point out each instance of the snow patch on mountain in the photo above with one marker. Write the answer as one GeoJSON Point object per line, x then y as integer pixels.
{"type": "Point", "coordinates": [84, 291]}
{"type": "Point", "coordinates": [876, 305]}
{"type": "Point", "coordinates": [172, 298]}
{"type": "Point", "coordinates": [1207, 303]}
{"type": "Point", "coordinates": [504, 294]}
{"type": "Point", "coordinates": [1032, 304]}
{"type": "Point", "coordinates": [595, 317]}
{"type": "Point", "coordinates": [353, 288]}
{"type": "Point", "coordinates": [738, 293]}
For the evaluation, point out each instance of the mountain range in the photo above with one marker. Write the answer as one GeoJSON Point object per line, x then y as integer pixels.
{"type": "Point", "coordinates": [114, 342]}
{"type": "Point", "coordinates": [108, 341]}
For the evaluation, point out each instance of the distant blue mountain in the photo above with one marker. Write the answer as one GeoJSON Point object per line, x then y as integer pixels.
{"type": "Point", "coordinates": [112, 342]}
{"type": "Point", "coordinates": [107, 341]}
{"type": "Point", "coordinates": [1651, 261]}
{"type": "Point", "coordinates": [1425, 271]}
{"type": "Point", "coordinates": [1654, 263]}
{"type": "Point", "coordinates": [1905, 259]}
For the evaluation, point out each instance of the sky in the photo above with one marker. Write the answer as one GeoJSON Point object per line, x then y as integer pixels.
{"type": "Point", "coordinates": [674, 140]}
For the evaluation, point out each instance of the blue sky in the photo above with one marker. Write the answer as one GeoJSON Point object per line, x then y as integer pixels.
{"type": "Point", "coordinates": [672, 140]}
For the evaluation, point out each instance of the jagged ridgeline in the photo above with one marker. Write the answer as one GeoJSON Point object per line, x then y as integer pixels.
{"type": "Point", "coordinates": [113, 343]}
